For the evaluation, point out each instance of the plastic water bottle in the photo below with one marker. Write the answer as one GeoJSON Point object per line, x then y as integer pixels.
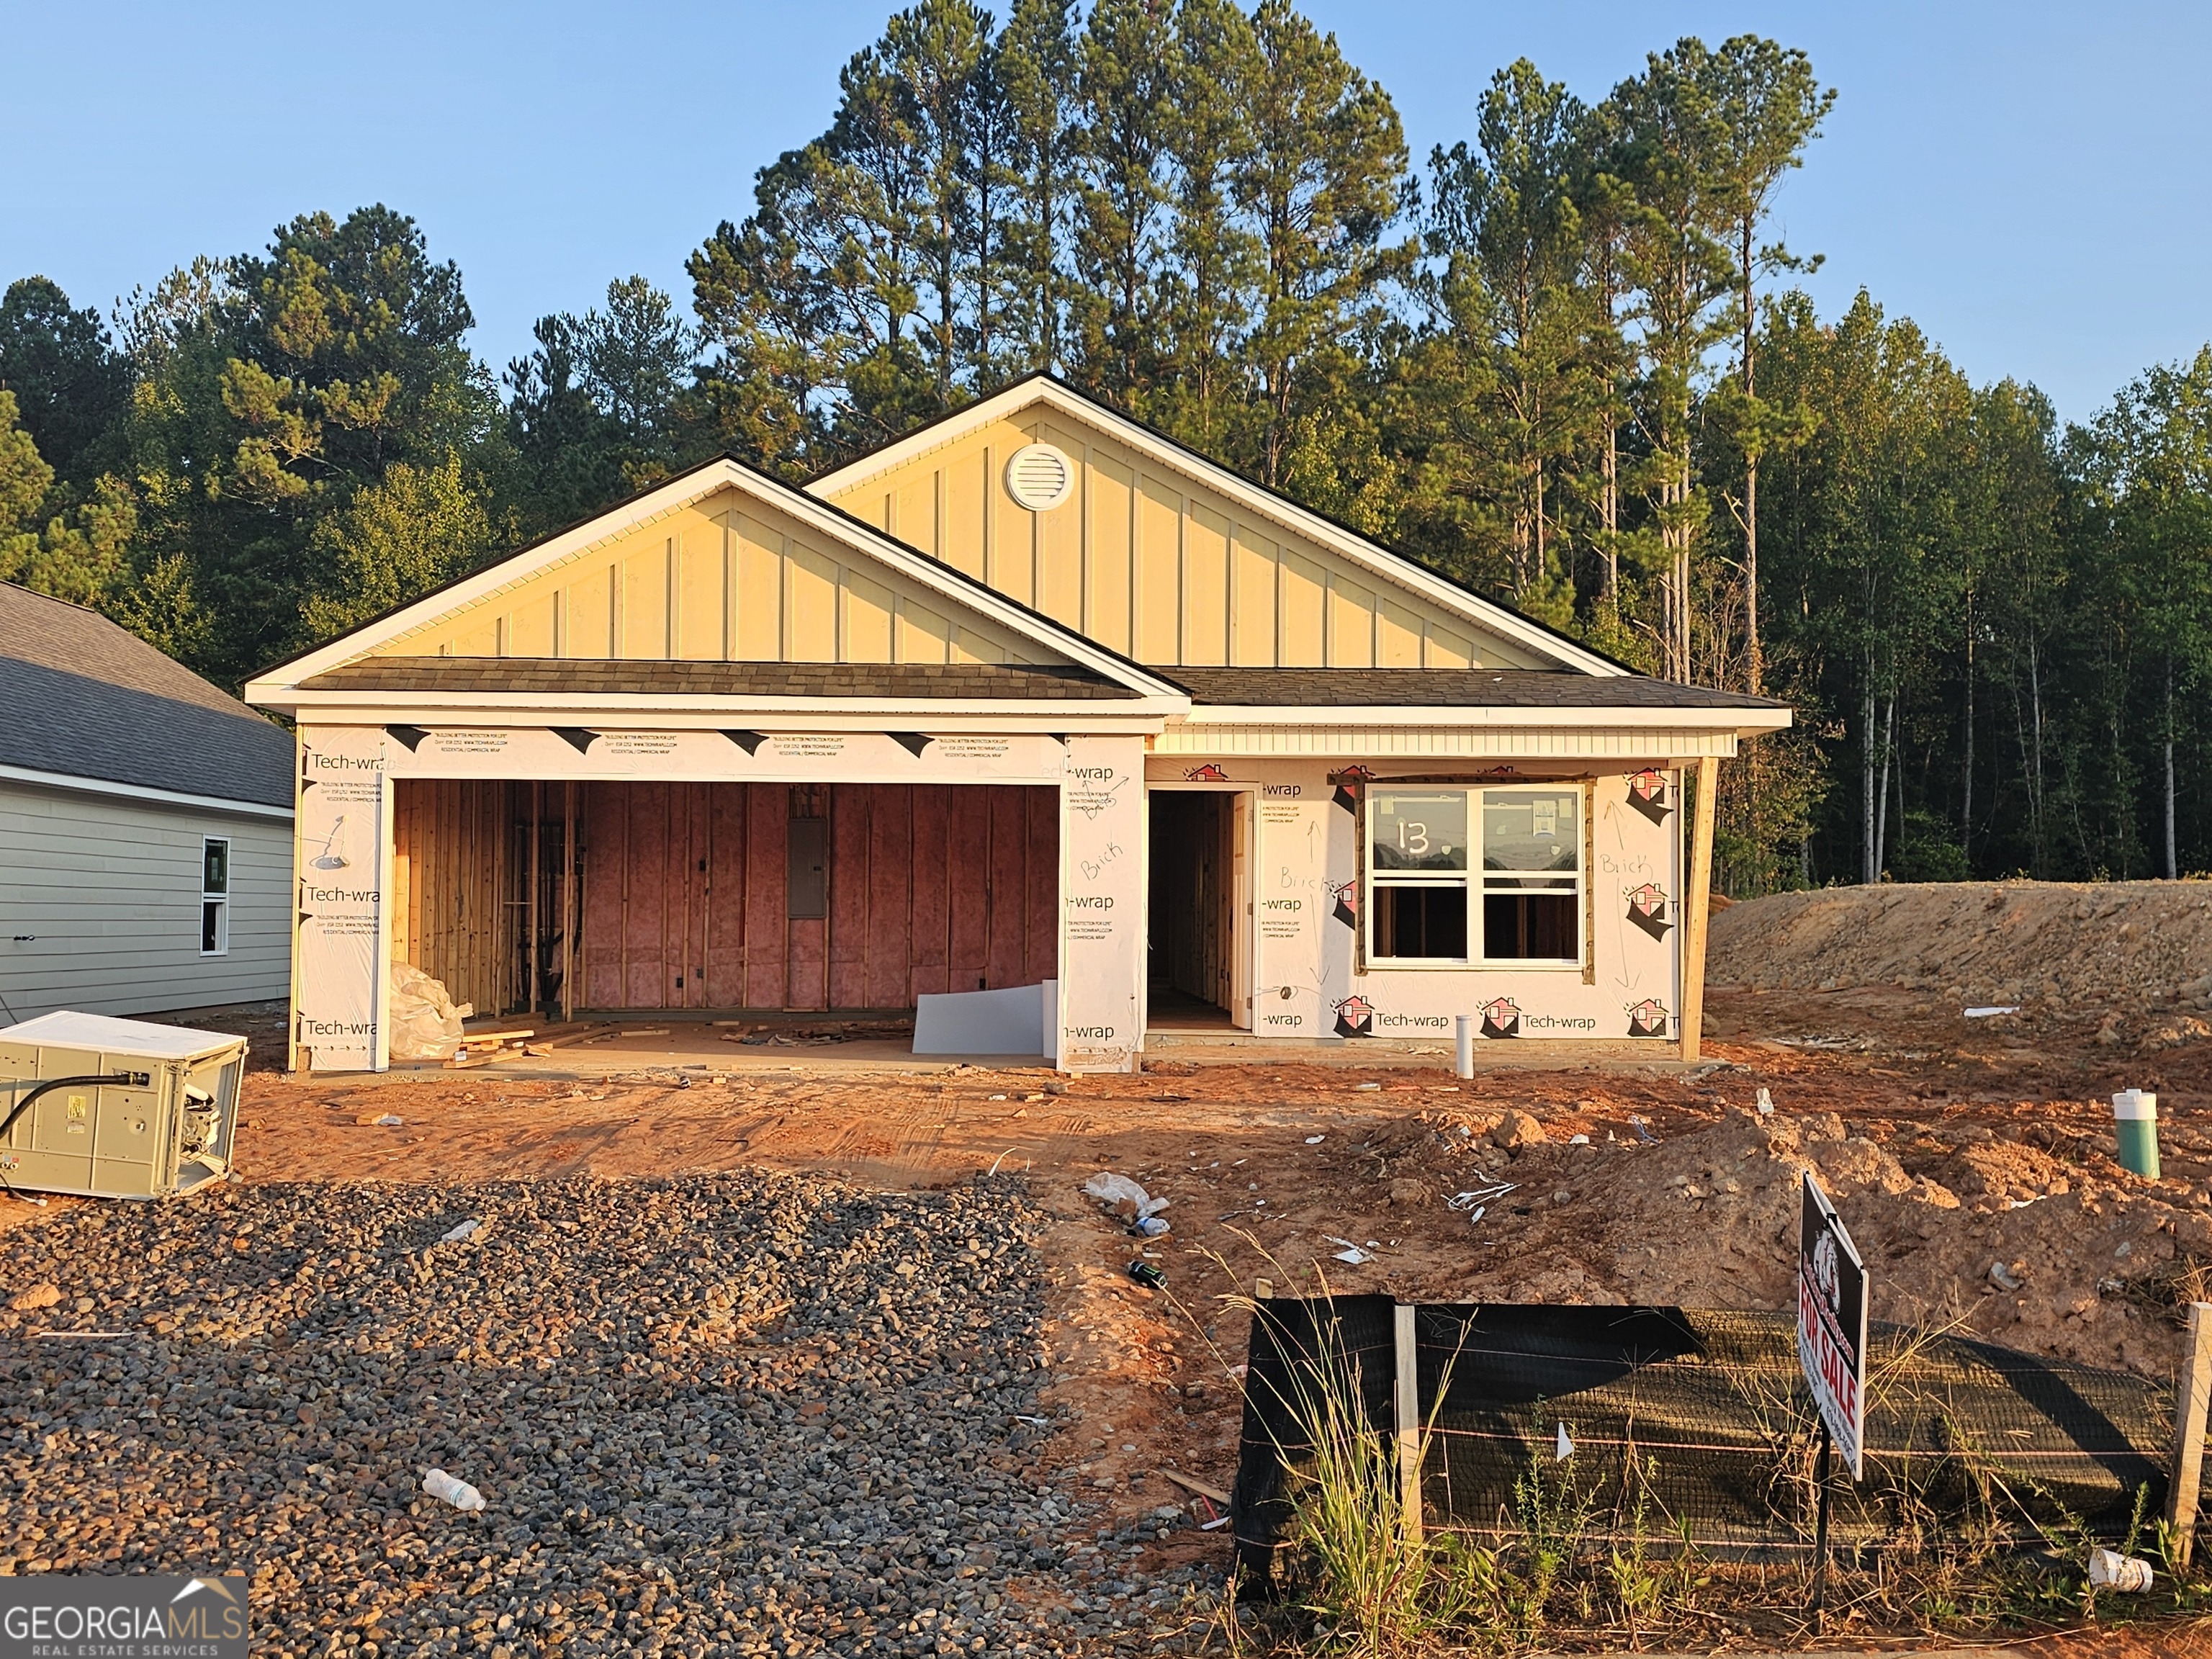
{"type": "Point", "coordinates": [459, 1493]}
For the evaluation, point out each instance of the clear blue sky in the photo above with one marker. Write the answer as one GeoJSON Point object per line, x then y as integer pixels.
{"type": "Point", "coordinates": [2023, 179]}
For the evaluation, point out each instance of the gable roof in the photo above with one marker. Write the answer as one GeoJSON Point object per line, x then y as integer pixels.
{"type": "Point", "coordinates": [87, 699]}
{"type": "Point", "coordinates": [1382, 564]}
{"type": "Point", "coordinates": [694, 484]}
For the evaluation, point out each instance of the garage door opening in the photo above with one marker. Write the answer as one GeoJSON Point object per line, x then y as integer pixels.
{"type": "Point", "coordinates": [724, 899]}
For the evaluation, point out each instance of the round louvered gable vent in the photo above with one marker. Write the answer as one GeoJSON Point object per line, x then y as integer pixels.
{"type": "Point", "coordinates": [1040, 477]}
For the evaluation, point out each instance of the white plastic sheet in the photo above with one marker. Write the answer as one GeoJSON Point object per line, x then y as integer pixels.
{"type": "Point", "coordinates": [425, 1023]}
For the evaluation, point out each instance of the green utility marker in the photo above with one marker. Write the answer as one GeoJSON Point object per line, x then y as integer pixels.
{"type": "Point", "coordinates": [2135, 1119]}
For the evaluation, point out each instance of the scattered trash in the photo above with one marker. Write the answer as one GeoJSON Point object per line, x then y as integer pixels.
{"type": "Point", "coordinates": [466, 1229]}
{"type": "Point", "coordinates": [1148, 1276]}
{"type": "Point", "coordinates": [1992, 1011]}
{"type": "Point", "coordinates": [1642, 1129]}
{"type": "Point", "coordinates": [1578, 1140]}
{"type": "Point", "coordinates": [1476, 1214]}
{"type": "Point", "coordinates": [1481, 1195]}
{"type": "Point", "coordinates": [1148, 1226]}
{"type": "Point", "coordinates": [1766, 1103]}
{"type": "Point", "coordinates": [2004, 1278]}
{"type": "Point", "coordinates": [1563, 1448]}
{"type": "Point", "coordinates": [1115, 1190]}
{"type": "Point", "coordinates": [1351, 1252]}
{"type": "Point", "coordinates": [2110, 1569]}
{"type": "Point", "coordinates": [1315, 1140]}
{"type": "Point", "coordinates": [1366, 1085]}
{"type": "Point", "coordinates": [997, 1097]}
{"type": "Point", "coordinates": [387, 1121]}
{"type": "Point", "coordinates": [445, 1487]}
{"type": "Point", "coordinates": [1217, 1521]}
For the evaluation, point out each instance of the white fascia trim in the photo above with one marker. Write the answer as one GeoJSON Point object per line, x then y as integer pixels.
{"type": "Point", "coordinates": [1742, 721]}
{"type": "Point", "coordinates": [142, 794]}
{"type": "Point", "coordinates": [1377, 561]}
{"type": "Point", "coordinates": [810, 510]}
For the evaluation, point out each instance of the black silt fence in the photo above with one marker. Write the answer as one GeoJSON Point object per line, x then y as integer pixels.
{"type": "Point", "coordinates": [1697, 1428]}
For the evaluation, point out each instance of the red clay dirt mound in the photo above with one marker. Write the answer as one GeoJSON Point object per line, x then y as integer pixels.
{"type": "Point", "coordinates": [2056, 947]}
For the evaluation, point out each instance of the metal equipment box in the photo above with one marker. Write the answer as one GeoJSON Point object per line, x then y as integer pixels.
{"type": "Point", "coordinates": [116, 1108]}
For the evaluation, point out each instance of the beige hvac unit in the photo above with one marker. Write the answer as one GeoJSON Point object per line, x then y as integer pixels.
{"type": "Point", "coordinates": [116, 1108]}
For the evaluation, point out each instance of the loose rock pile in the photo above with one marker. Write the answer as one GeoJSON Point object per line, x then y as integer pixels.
{"type": "Point", "coordinates": [736, 1414]}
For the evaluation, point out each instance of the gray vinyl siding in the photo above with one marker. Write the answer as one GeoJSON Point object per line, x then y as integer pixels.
{"type": "Point", "coordinates": [109, 889]}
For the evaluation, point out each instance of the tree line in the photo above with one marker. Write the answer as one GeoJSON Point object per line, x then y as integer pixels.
{"type": "Point", "coordinates": [1560, 360]}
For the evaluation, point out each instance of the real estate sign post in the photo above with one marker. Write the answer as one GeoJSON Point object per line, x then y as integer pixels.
{"type": "Point", "coordinates": [1831, 1320]}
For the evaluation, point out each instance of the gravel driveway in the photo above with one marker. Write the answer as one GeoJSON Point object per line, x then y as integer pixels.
{"type": "Point", "coordinates": [747, 1413]}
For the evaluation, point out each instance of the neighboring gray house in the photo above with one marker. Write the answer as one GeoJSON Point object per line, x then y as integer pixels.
{"type": "Point", "coordinates": [145, 825]}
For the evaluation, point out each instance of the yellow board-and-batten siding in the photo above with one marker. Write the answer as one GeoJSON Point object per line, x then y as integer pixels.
{"type": "Point", "coordinates": [1149, 563]}
{"type": "Point", "coordinates": [726, 578]}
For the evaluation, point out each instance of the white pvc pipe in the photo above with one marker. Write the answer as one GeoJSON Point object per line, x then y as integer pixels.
{"type": "Point", "coordinates": [1463, 1058]}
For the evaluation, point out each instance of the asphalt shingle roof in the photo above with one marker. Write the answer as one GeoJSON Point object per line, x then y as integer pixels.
{"type": "Point", "coordinates": [600, 676]}
{"type": "Point", "coordinates": [82, 698]}
{"type": "Point", "coordinates": [1446, 687]}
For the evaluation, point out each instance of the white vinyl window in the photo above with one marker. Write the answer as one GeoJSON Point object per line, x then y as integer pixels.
{"type": "Point", "coordinates": [215, 897]}
{"type": "Point", "coordinates": [1474, 877]}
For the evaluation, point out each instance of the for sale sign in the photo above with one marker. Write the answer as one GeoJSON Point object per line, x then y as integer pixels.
{"type": "Point", "coordinates": [1832, 1320]}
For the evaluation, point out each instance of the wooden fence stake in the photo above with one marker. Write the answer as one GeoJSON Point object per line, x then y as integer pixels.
{"type": "Point", "coordinates": [1408, 1403]}
{"type": "Point", "coordinates": [2193, 1391]}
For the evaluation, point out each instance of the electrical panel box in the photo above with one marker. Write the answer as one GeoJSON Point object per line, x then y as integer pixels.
{"type": "Point", "coordinates": [136, 1110]}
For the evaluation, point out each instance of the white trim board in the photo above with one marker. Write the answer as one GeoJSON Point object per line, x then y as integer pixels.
{"type": "Point", "coordinates": [144, 794]}
{"type": "Point", "coordinates": [1377, 560]}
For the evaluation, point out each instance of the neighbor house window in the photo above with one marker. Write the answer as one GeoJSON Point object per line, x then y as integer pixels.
{"type": "Point", "coordinates": [1474, 875]}
{"type": "Point", "coordinates": [215, 897]}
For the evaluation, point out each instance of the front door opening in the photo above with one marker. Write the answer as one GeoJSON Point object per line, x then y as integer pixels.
{"type": "Point", "coordinates": [1191, 976]}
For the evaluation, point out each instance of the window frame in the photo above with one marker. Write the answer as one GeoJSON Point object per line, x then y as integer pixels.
{"type": "Point", "coordinates": [1470, 881]}
{"type": "Point", "coordinates": [214, 900]}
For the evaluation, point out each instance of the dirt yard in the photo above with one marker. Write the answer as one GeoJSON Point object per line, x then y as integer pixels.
{"type": "Point", "coordinates": [1972, 1157]}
